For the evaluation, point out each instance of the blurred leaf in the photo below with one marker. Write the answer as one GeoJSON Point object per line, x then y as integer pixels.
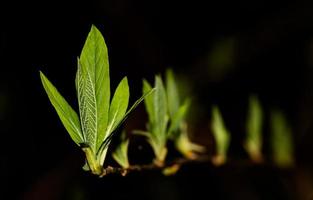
{"type": "Point", "coordinates": [253, 142]}
{"type": "Point", "coordinates": [171, 170]}
{"type": "Point", "coordinates": [120, 154]}
{"type": "Point", "coordinates": [67, 115]}
{"type": "Point", "coordinates": [185, 146]}
{"type": "Point", "coordinates": [172, 93]}
{"type": "Point", "coordinates": [160, 114]}
{"type": "Point", "coordinates": [221, 135]}
{"type": "Point", "coordinates": [281, 140]}
{"type": "Point", "coordinates": [178, 117]}
{"type": "Point", "coordinates": [156, 107]}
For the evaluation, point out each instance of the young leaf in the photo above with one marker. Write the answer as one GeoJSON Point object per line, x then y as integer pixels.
{"type": "Point", "coordinates": [67, 115]}
{"type": "Point", "coordinates": [221, 135]}
{"type": "Point", "coordinates": [160, 114]}
{"type": "Point", "coordinates": [104, 146]}
{"type": "Point", "coordinates": [96, 88]}
{"type": "Point", "coordinates": [156, 107]}
{"type": "Point", "coordinates": [178, 117]}
{"type": "Point", "coordinates": [281, 140]}
{"type": "Point", "coordinates": [120, 154]}
{"type": "Point", "coordinates": [172, 93]}
{"type": "Point", "coordinates": [118, 105]}
{"type": "Point", "coordinates": [253, 142]}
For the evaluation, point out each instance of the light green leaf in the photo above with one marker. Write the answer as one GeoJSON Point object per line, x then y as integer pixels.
{"type": "Point", "coordinates": [118, 105]}
{"type": "Point", "coordinates": [160, 114]}
{"type": "Point", "coordinates": [172, 93]}
{"type": "Point", "coordinates": [94, 87]}
{"type": "Point", "coordinates": [178, 117]}
{"type": "Point", "coordinates": [221, 135]}
{"type": "Point", "coordinates": [120, 154]}
{"type": "Point", "coordinates": [148, 101]}
{"type": "Point", "coordinates": [253, 142]}
{"type": "Point", "coordinates": [67, 115]}
{"type": "Point", "coordinates": [104, 146]}
{"type": "Point", "coordinates": [281, 140]}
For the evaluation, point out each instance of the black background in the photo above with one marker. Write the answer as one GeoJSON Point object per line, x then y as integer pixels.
{"type": "Point", "coordinates": [273, 59]}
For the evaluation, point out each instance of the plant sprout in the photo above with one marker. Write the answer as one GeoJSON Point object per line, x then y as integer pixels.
{"type": "Point", "coordinates": [221, 135]}
{"type": "Point", "coordinates": [120, 154]}
{"type": "Point", "coordinates": [99, 115]}
{"type": "Point", "coordinates": [167, 119]}
{"type": "Point", "coordinates": [281, 140]}
{"type": "Point", "coordinates": [253, 141]}
{"type": "Point", "coordinates": [178, 127]}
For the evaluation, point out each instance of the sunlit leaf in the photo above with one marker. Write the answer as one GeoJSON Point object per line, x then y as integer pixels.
{"type": "Point", "coordinates": [105, 144]}
{"type": "Point", "coordinates": [94, 93]}
{"type": "Point", "coordinates": [118, 105]}
{"type": "Point", "coordinates": [67, 115]}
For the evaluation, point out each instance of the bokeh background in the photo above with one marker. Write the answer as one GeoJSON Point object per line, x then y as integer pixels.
{"type": "Point", "coordinates": [226, 50]}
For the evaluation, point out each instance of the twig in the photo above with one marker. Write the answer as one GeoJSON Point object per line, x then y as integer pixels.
{"type": "Point", "coordinates": [177, 162]}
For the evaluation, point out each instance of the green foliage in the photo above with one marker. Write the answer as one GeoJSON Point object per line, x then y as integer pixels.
{"type": "Point", "coordinates": [167, 119]}
{"type": "Point", "coordinates": [98, 117]}
{"type": "Point", "coordinates": [253, 142]}
{"type": "Point", "coordinates": [156, 106]}
{"type": "Point", "coordinates": [281, 140]}
{"type": "Point", "coordinates": [221, 135]}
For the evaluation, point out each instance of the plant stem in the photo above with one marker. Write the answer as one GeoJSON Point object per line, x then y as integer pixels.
{"type": "Point", "coordinates": [178, 162]}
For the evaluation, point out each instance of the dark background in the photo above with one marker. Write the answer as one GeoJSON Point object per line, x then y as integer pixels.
{"type": "Point", "coordinates": [265, 48]}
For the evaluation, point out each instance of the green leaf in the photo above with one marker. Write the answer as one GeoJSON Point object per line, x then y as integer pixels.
{"type": "Point", "coordinates": [104, 146]}
{"type": "Point", "coordinates": [253, 142]}
{"type": "Point", "coordinates": [178, 117]}
{"type": "Point", "coordinates": [221, 135]}
{"type": "Point", "coordinates": [160, 114]}
{"type": "Point", "coordinates": [281, 140]}
{"type": "Point", "coordinates": [172, 93]}
{"type": "Point", "coordinates": [118, 105]}
{"type": "Point", "coordinates": [94, 87]}
{"type": "Point", "coordinates": [67, 115]}
{"type": "Point", "coordinates": [120, 154]}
